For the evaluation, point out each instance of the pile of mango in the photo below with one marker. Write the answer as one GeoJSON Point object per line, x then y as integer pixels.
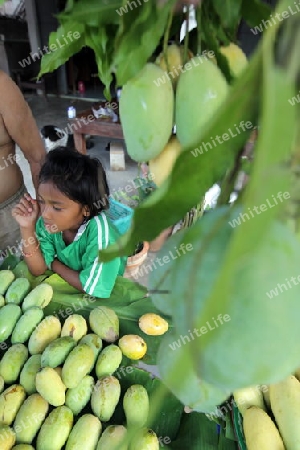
{"type": "Point", "coordinates": [169, 94]}
{"type": "Point", "coordinates": [271, 414]}
{"type": "Point", "coordinates": [58, 381]}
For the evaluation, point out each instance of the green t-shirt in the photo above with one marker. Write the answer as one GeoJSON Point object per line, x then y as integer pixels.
{"type": "Point", "coordinates": [97, 278]}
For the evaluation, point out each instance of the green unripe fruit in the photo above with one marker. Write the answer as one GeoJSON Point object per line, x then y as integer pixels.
{"type": "Point", "coordinates": [57, 351]}
{"type": "Point", "coordinates": [146, 113]}
{"type": "Point", "coordinates": [136, 406]}
{"type": "Point", "coordinates": [200, 93]}
{"type": "Point", "coordinates": [26, 324]}
{"type": "Point", "coordinates": [17, 291]}
{"type": "Point", "coordinates": [85, 433]}
{"type": "Point", "coordinates": [105, 323]}
{"type": "Point", "coordinates": [105, 397]}
{"type": "Point", "coordinates": [28, 373]}
{"type": "Point", "coordinates": [55, 429]}
{"type": "Point", "coordinates": [12, 362]}
{"type": "Point", "coordinates": [108, 361]}
{"type": "Point", "coordinates": [79, 363]}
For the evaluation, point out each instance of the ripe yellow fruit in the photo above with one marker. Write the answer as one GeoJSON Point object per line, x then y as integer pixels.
{"type": "Point", "coordinates": [153, 324]}
{"type": "Point", "coordinates": [237, 59]}
{"type": "Point", "coordinates": [174, 56]}
{"type": "Point", "coordinates": [161, 166]}
{"type": "Point", "coordinates": [133, 346]}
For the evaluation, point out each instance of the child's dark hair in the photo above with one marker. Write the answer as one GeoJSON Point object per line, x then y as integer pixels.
{"type": "Point", "coordinates": [77, 176]}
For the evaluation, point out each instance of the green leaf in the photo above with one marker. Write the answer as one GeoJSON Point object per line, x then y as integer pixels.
{"type": "Point", "coordinates": [101, 41]}
{"type": "Point", "coordinates": [197, 432]}
{"type": "Point", "coordinates": [168, 204]}
{"type": "Point", "coordinates": [64, 43]}
{"type": "Point", "coordinates": [258, 263]}
{"type": "Point", "coordinates": [228, 11]}
{"type": "Point", "coordinates": [9, 262]}
{"type": "Point", "coordinates": [254, 11]}
{"type": "Point", "coordinates": [177, 370]}
{"type": "Point", "coordinates": [145, 25]}
{"type": "Point", "coordinates": [93, 13]}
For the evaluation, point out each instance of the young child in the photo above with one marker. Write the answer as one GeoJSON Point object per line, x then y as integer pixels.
{"type": "Point", "coordinates": [66, 226]}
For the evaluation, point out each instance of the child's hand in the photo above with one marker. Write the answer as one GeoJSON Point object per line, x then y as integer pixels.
{"type": "Point", "coordinates": [26, 212]}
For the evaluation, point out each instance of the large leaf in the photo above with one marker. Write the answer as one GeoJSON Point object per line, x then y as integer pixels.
{"type": "Point", "coordinates": [101, 41]}
{"type": "Point", "coordinates": [93, 13]}
{"type": "Point", "coordinates": [67, 40]}
{"type": "Point", "coordinates": [177, 370]}
{"type": "Point", "coordinates": [255, 11]}
{"type": "Point", "coordinates": [228, 11]}
{"type": "Point", "coordinates": [168, 204]}
{"type": "Point", "coordinates": [146, 25]}
{"type": "Point", "coordinates": [256, 319]}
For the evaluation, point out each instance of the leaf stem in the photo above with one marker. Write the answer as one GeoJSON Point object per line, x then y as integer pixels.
{"type": "Point", "coordinates": [198, 20]}
{"type": "Point", "coordinates": [166, 40]}
{"type": "Point", "coordinates": [186, 37]}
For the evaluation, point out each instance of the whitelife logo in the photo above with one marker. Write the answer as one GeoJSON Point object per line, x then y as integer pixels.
{"type": "Point", "coordinates": [53, 47]}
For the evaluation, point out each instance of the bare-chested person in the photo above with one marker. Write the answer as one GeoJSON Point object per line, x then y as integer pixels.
{"type": "Point", "coordinates": [17, 126]}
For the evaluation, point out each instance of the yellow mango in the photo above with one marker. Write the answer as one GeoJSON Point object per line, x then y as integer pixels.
{"type": "Point", "coordinates": [260, 431]}
{"type": "Point", "coordinates": [153, 324]}
{"type": "Point", "coordinates": [133, 346]}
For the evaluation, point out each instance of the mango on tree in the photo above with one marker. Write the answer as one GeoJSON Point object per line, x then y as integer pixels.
{"type": "Point", "coordinates": [237, 59]}
{"type": "Point", "coordinates": [200, 93]}
{"type": "Point", "coordinates": [146, 112]}
{"type": "Point", "coordinates": [172, 61]}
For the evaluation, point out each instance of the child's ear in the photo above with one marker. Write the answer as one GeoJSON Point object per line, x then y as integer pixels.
{"type": "Point", "coordinates": [86, 212]}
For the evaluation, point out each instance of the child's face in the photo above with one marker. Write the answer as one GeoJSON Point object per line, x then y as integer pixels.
{"type": "Point", "coordinates": [58, 211]}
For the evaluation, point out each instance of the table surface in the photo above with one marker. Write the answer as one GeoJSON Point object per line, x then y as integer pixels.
{"type": "Point", "coordinates": [103, 127]}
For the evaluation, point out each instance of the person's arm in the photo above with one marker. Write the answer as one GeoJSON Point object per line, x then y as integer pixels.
{"type": "Point", "coordinates": [20, 125]}
{"type": "Point", "coordinates": [98, 278]}
{"type": "Point", "coordinates": [69, 275]}
{"type": "Point", "coordinates": [26, 213]}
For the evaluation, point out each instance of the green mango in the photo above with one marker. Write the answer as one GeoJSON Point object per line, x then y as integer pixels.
{"type": "Point", "coordinates": [12, 362]}
{"type": "Point", "coordinates": [30, 417]}
{"type": "Point", "coordinates": [47, 331]}
{"type": "Point", "coordinates": [11, 400]}
{"type": "Point", "coordinates": [105, 397]}
{"type": "Point", "coordinates": [1, 384]}
{"type": "Point", "coordinates": [40, 296]}
{"type": "Point", "coordinates": [145, 439]}
{"type": "Point", "coordinates": [57, 351]}
{"type": "Point", "coordinates": [26, 324]}
{"type": "Point", "coordinates": [7, 437]}
{"type": "Point", "coordinates": [2, 301]}
{"type": "Point", "coordinates": [74, 326]}
{"type": "Point", "coordinates": [6, 278]}
{"type": "Point", "coordinates": [79, 438]}
{"type": "Point", "coordinates": [200, 92]}
{"type": "Point", "coordinates": [8, 319]}
{"type": "Point", "coordinates": [146, 113]}
{"type": "Point", "coordinates": [105, 323]}
{"type": "Point", "coordinates": [112, 437]}
{"type": "Point", "coordinates": [17, 291]}
{"type": "Point", "coordinates": [50, 386]}
{"type": "Point", "coordinates": [94, 341]}
{"type": "Point", "coordinates": [108, 361]}
{"type": "Point", "coordinates": [28, 373]}
{"type": "Point", "coordinates": [77, 398]}
{"type": "Point", "coordinates": [55, 430]}
{"type": "Point", "coordinates": [79, 363]}
{"type": "Point", "coordinates": [23, 447]}
{"type": "Point", "coordinates": [136, 406]}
